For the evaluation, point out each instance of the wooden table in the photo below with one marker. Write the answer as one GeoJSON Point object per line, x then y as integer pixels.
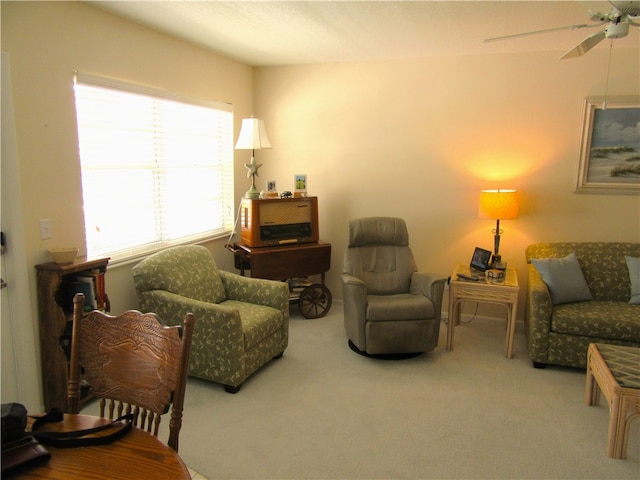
{"type": "Point", "coordinates": [137, 456]}
{"type": "Point", "coordinates": [615, 370]}
{"type": "Point", "coordinates": [504, 294]}
{"type": "Point", "coordinates": [284, 261]}
{"type": "Point", "coordinates": [291, 261]}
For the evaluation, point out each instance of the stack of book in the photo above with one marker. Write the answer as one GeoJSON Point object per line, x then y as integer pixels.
{"type": "Point", "coordinates": [91, 284]}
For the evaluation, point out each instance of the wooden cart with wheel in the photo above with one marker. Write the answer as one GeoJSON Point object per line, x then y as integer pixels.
{"type": "Point", "coordinates": [292, 263]}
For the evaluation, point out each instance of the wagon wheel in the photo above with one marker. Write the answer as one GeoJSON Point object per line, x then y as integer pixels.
{"type": "Point", "coordinates": [315, 301]}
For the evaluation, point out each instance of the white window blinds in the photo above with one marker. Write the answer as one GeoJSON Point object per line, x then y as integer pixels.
{"type": "Point", "coordinates": [157, 169]}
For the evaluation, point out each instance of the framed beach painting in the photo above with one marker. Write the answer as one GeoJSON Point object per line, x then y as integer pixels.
{"type": "Point", "coordinates": [610, 153]}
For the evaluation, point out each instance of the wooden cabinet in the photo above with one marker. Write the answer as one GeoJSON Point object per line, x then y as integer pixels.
{"type": "Point", "coordinates": [56, 286]}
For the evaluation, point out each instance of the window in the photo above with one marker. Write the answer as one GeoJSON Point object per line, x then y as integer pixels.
{"type": "Point", "coordinates": [157, 169]}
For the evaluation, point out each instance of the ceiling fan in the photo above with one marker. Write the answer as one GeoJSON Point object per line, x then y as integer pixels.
{"type": "Point", "coordinates": [617, 21]}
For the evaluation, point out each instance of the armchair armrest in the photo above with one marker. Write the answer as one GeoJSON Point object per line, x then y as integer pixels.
{"type": "Point", "coordinates": [218, 329]}
{"type": "Point", "coordinates": [429, 285]}
{"type": "Point", "coordinates": [354, 293]}
{"type": "Point", "coordinates": [354, 289]}
{"type": "Point", "coordinates": [259, 291]}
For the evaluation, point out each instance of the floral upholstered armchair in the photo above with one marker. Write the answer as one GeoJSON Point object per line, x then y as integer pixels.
{"type": "Point", "coordinates": [243, 322]}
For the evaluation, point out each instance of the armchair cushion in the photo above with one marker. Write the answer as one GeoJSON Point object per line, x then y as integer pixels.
{"type": "Point", "coordinates": [403, 306]}
{"type": "Point", "coordinates": [564, 278]}
{"type": "Point", "coordinates": [386, 270]}
{"type": "Point", "coordinates": [170, 274]}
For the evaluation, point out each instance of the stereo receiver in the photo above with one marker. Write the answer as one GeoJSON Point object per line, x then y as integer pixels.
{"type": "Point", "coordinates": [279, 221]}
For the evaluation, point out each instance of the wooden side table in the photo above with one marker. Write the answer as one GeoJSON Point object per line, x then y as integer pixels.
{"type": "Point", "coordinates": [293, 261]}
{"type": "Point", "coordinates": [504, 294]}
{"type": "Point", "coordinates": [284, 261]}
{"type": "Point", "coordinates": [615, 370]}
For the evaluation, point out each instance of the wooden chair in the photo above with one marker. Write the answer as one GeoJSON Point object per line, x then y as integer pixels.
{"type": "Point", "coordinates": [133, 364]}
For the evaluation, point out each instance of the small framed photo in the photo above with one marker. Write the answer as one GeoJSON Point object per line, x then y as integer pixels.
{"type": "Point", "coordinates": [271, 186]}
{"type": "Point", "coordinates": [300, 183]}
{"type": "Point", "coordinates": [480, 259]}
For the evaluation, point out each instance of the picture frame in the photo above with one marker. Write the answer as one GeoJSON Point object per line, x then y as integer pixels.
{"type": "Point", "coordinates": [271, 186]}
{"type": "Point", "coordinates": [609, 161]}
{"type": "Point", "coordinates": [300, 183]}
{"type": "Point", "coordinates": [480, 259]}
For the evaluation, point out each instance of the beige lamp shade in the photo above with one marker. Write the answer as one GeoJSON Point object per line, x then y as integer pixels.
{"type": "Point", "coordinates": [253, 135]}
{"type": "Point", "coordinates": [498, 204]}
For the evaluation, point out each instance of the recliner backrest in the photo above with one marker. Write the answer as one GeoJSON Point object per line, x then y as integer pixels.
{"type": "Point", "coordinates": [188, 270]}
{"type": "Point", "coordinates": [378, 253]}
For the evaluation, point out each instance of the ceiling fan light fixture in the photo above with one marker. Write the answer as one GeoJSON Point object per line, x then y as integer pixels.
{"type": "Point", "coordinates": [617, 30]}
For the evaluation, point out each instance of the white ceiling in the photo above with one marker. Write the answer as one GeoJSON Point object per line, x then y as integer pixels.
{"type": "Point", "coordinates": [266, 33]}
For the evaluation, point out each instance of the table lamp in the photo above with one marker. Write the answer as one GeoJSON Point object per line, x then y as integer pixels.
{"type": "Point", "coordinates": [498, 205]}
{"type": "Point", "coordinates": [253, 136]}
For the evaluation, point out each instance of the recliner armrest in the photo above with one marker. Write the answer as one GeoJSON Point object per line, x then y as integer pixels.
{"type": "Point", "coordinates": [429, 285]}
{"type": "Point", "coordinates": [425, 283]}
{"type": "Point", "coordinates": [354, 292]}
{"type": "Point", "coordinates": [348, 279]}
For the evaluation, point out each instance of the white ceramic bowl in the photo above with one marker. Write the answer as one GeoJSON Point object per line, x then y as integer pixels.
{"type": "Point", "coordinates": [63, 256]}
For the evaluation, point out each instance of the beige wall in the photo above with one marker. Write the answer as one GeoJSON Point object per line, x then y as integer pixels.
{"type": "Point", "coordinates": [419, 139]}
{"type": "Point", "coordinates": [46, 42]}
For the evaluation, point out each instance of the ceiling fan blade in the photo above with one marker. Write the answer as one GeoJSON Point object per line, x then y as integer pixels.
{"type": "Point", "coordinates": [584, 46]}
{"type": "Point", "coordinates": [568, 27]}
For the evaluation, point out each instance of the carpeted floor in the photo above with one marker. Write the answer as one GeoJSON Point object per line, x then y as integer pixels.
{"type": "Point", "coordinates": [325, 412]}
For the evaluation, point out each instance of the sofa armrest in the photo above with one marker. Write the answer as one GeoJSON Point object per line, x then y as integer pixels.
{"type": "Point", "coordinates": [431, 286]}
{"type": "Point", "coordinates": [259, 291]}
{"type": "Point", "coordinates": [539, 309]}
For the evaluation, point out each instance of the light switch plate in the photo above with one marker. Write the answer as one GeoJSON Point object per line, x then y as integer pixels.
{"type": "Point", "coordinates": [45, 229]}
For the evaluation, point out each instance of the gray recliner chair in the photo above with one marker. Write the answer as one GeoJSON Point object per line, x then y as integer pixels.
{"type": "Point", "coordinates": [389, 308]}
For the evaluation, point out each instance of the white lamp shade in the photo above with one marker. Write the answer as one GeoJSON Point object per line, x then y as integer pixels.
{"type": "Point", "coordinates": [253, 135]}
{"type": "Point", "coordinates": [498, 204]}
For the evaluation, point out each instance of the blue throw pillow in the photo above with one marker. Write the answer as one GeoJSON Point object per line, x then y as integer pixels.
{"type": "Point", "coordinates": [564, 278]}
{"type": "Point", "coordinates": [634, 274]}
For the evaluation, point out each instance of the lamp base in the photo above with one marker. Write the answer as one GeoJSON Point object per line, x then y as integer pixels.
{"type": "Point", "coordinates": [252, 193]}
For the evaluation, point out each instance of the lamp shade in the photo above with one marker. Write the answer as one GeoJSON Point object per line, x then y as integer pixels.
{"type": "Point", "coordinates": [498, 204]}
{"type": "Point", "coordinates": [253, 135]}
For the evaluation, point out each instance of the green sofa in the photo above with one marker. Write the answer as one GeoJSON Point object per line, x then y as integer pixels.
{"type": "Point", "coordinates": [558, 328]}
{"type": "Point", "coordinates": [242, 322]}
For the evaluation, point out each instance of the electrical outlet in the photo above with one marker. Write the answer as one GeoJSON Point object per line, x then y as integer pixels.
{"type": "Point", "coordinates": [45, 229]}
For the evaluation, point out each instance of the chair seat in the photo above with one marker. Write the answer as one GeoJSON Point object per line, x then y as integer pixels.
{"type": "Point", "coordinates": [597, 319]}
{"type": "Point", "coordinates": [403, 306]}
{"type": "Point", "coordinates": [258, 321]}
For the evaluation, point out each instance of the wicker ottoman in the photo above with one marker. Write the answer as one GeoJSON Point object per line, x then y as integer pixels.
{"type": "Point", "coordinates": [615, 371]}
